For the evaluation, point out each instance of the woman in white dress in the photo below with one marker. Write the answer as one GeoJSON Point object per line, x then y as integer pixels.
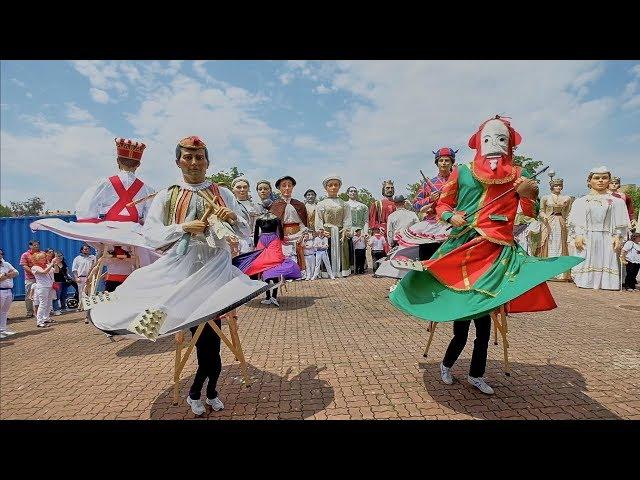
{"type": "Point", "coordinates": [598, 223]}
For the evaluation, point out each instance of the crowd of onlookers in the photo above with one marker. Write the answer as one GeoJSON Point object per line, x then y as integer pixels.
{"type": "Point", "coordinates": [51, 287]}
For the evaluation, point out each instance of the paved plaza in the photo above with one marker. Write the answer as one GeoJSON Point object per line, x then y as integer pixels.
{"type": "Point", "coordinates": [337, 349]}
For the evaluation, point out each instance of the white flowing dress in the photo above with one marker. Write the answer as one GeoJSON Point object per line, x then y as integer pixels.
{"type": "Point", "coordinates": [190, 287]}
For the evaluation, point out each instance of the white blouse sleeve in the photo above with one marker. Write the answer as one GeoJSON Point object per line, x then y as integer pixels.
{"type": "Point", "coordinates": [155, 232]}
{"type": "Point", "coordinates": [90, 202]}
{"type": "Point", "coordinates": [576, 222]}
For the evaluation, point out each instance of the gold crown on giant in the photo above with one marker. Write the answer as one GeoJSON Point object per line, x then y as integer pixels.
{"type": "Point", "coordinates": [127, 148]}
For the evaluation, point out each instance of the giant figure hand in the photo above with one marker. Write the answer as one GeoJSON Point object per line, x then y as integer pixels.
{"type": "Point", "coordinates": [616, 243]}
{"type": "Point", "coordinates": [225, 214]}
{"type": "Point", "coordinates": [527, 188]}
{"type": "Point", "coordinates": [579, 243]}
{"type": "Point", "coordinates": [194, 226]}
{"type": "Point", "coordinates": [457, 220]}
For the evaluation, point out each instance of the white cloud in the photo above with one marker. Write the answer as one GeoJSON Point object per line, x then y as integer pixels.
{"type": "Point", "coordinates": [632, 103]}
{"type": "Point", "coordinates": [78, 114]}
{"type": "Point", "coordinates": [18, 82]}
{"type": "Point", "coordinates": [224, 117]}
{"type": "Point", "coordinates": [76, 154]}
{"type": "Point", "coordinates": [98, 95]}
{"type": "Point", "coordinates": [321, 89]}
{"type": "Point", "coordinates": [404, 109]}
{"type": "Point", "coordinates": [286, 78]}
{"type": "Point", "coordinates": [29, 95]}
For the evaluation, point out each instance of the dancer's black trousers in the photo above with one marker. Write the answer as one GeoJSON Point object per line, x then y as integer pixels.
{"type": "Point", "coordinates": [209, 362]}
{"type": "Point", "coordinates": [480, 344]}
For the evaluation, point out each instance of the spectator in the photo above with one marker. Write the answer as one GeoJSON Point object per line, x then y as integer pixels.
{"type": "Point", "coordinates": [26, 262]}
{"type": "Point", "coordinates": [44, 267]}
{"type": "Point", "coordinates": [62, 281]}
{"type": "Point", "coordinates": [378, 244]}
{"type": "Point", "coordinates": [631, 256]}
{"type": "Point", "coordinates": [80, 269]}
{"type": "Point", "coordinates": [7, 274]}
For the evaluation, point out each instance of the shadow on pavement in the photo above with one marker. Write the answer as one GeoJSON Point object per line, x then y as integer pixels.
{"type": "Point", "coordinates": [538, 390]}
{"type": "Point", "coordinates": [264, 398]}
{"type": "Point", "coordinates": [147, 347]}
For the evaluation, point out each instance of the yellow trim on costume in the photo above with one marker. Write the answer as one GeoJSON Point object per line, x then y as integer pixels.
{"type": "Point", "coordinates": [497, 181]}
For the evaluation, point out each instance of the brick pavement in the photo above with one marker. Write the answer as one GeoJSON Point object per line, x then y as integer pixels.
{"type": "Point", "coordinates": [338, 350]}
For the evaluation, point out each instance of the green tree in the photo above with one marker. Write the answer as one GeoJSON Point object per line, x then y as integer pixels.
{"type": "Point", "coordinates": [634, 192]}
{"type": "Point", "coordinates": [5, 211]}
{"type": "Point", "coordinates": [224, 178]}
{"type": "Point", "coordinates": [364, 196]}
{"type": "Point", "coordinates": [413, 189]}
{"type": "Point", "coordinates": [32, 207]}
{"type": "Point", "coordinates": [529, 165]}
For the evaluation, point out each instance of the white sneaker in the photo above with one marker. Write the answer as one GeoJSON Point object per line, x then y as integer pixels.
{"type": "Point", "coordinates": [197, 406]}
{"type": "Point", "coordinates": [3, 335]}
{"type": "Point", "coordinates": [216, 404]}
{"type": "Point", "coordinates": [480, 384]}
{"type": "Point", "coordinates": [266, 301]}
{"type": "Point", "coordinates": [57, 312]}
{"type": "Point", "coordinates": [445, 374]}
{"type": "Point", "coordinates": [41, 324]}
{"type": "Point", "coordinates": [8, 332]}
{"type": "Point", "coordinates": [275, 301]}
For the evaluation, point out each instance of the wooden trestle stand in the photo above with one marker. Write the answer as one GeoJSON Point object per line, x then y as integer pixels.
{"type": "Point", "coordinates": [499, 318]}
{"type": "Point", "coordinates": [233, 344]}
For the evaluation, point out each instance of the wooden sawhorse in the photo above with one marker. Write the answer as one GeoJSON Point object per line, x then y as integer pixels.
{"type": "Point", "coordinates": [499, 318]}
{"type": "Point", "coordinates": [233, 344]}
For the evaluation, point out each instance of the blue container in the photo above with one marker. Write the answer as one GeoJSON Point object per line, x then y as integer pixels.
{"type": "Point", "coordinates": [15, 235]}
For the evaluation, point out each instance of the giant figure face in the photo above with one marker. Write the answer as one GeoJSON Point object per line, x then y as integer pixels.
{"type": "Point", "coordinates": [264, 190]}
{"type": "Point", "coordinates": [614, 184]}
{"type": "Point", "coordinates": [445, 164]}
{"type": "Point", "coordinates": [286, 188]}
{"type": "Point", "coordinates": [193, 163]}
{"type": "Point", "coordinates": [241, 190]}
{"type": "Point", "coordinates": [388, 190]}
{"type": "Point", "coordinates": [333, 187]}
{"type": "Point", "coordinates": [494, 142]}
{"type": "Point", "coordinates": [599, 182]}
{"type": "Point", "coordinates": [556, 188]}
{"type": "Point", "coordinates": [352, 193]}
{"type": "Point", "coordinates": [310, 196]}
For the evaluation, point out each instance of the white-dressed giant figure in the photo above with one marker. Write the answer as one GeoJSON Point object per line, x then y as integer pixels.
{"type": "Point", "coordinates": [598, 223]}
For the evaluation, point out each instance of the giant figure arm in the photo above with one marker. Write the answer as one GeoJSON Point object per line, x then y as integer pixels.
{"type": "Point", "coordinates": [446, 204]}
{"type": "Point", "coordinates": [155, 232]}
{"type": "Point", "coordinates": [90, 202]}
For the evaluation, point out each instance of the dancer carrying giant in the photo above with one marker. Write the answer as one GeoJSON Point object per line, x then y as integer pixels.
{"type": "Point", "coordinates": [194, 280]}
{"type": "Point", "coordinates": [479, 267]}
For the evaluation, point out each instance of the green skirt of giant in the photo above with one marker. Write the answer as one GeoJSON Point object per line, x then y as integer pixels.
{"type": "Point", "coordinates": [422, 295]}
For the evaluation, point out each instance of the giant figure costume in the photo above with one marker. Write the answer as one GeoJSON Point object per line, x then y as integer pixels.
{"type": "Point", "coordinates": [480, 267]}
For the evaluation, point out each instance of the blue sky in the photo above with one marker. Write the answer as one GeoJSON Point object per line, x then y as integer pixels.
{"type": "Point", "coordinates": [365, 120]}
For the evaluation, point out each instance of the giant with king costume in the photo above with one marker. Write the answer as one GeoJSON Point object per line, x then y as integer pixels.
{"type": "Point", "coordinates": [479, 267]}
{"type": "Point", "coordinates": [194, 280]}
{"type": "Point", "coordinates": [111, 211]}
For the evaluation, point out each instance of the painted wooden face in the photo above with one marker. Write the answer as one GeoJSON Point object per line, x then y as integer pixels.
{"type": "Point", "coordinates": [494, 142]}
{"type": "Point", "coordinates": [352, 193]}
{"type": "Point", "coordinates": [311, 197]}
{"type": "Point", "coordinates": [241, 190]}
{"type": "Point", "coordinates": [286, 188]}
{"type": "Point", "coordinates": [333, 187]}
{"type": "Point", "coordinates": [600, 181]}
{"type": "Point", "coordinates": [264, 191]}
{"type": "Point", "coordinates": [193, 164]}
